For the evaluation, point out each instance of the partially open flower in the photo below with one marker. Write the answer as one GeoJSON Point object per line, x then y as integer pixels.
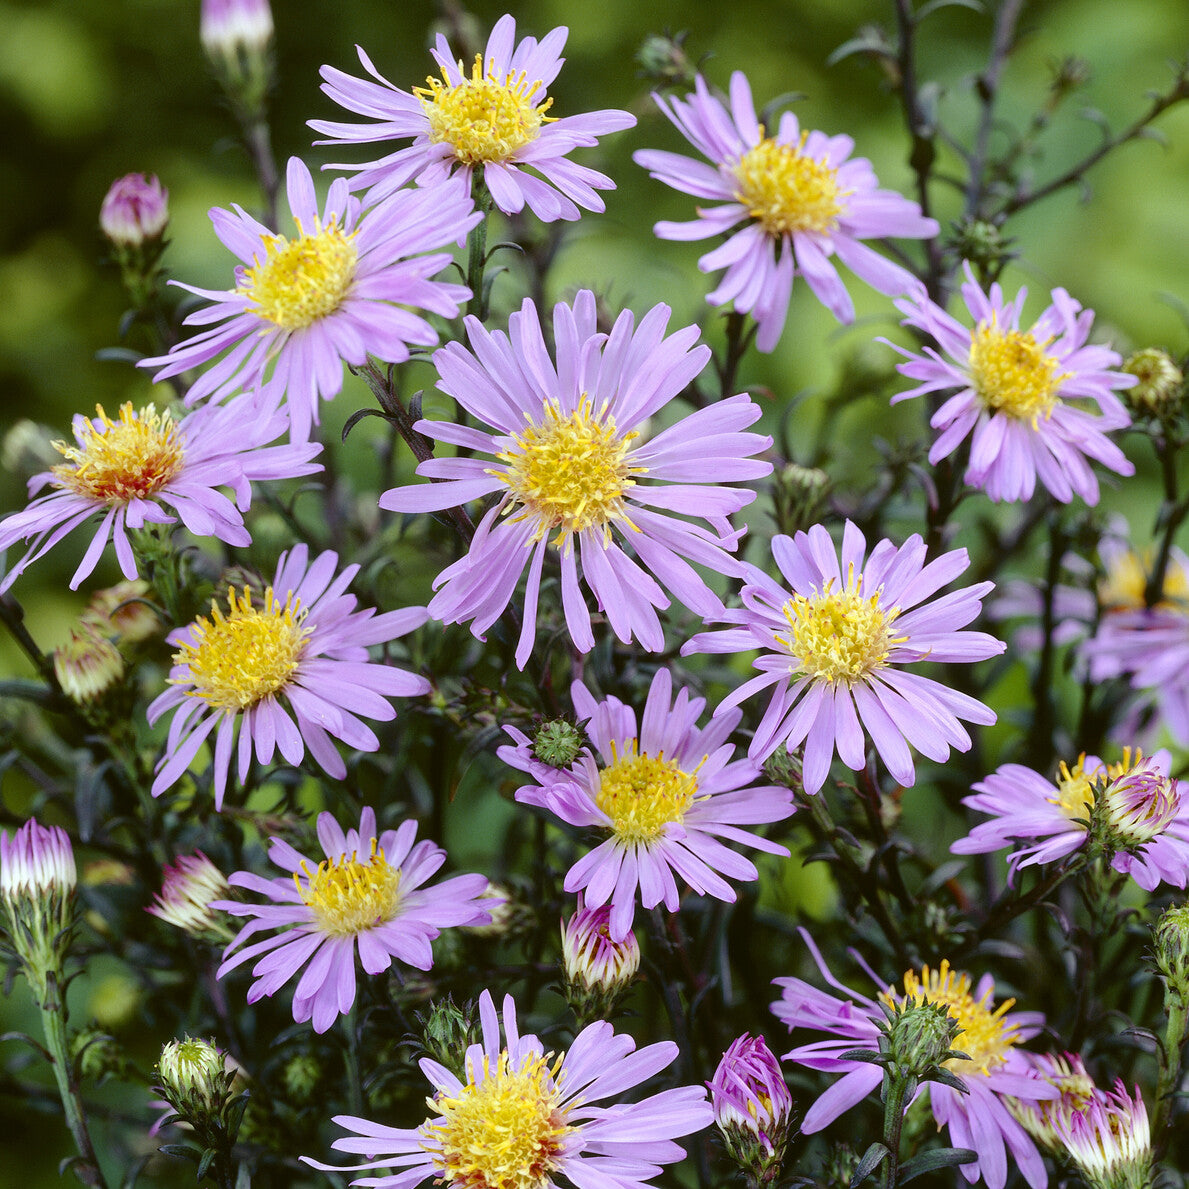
{"type": "Point", "coordinates": [88, 665]}
{"type": "Point", "coordinates": [187, 891]}
{"type": "Point", "coordinates": [594, 962]}
{"type": "Point", "coordinates": [1109, 1140]}
{"type": "Point", "coordinates": [751, 1101]}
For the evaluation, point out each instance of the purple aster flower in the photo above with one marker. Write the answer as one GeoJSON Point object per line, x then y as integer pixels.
{"type": "Point", "coordinates": [131, 469]}
{"type": "Point", "coordinates": [336, 292]}
{"type": "Point", "coordinates": [749, 1093]}
{"type": "Point", "coordinates": [667, 793]}
{"type": "Point", "coordinates": [1148, 645]}
{"type": "Point", "coordinates": [1067, 1074]}
{"type": "Point", "coordinates": [304, 645]}
{"type": "Point", "coordinates": [993, 1070]}
{"type": "Point", "coordinates": [1145, 814]}
{"type": "Point", "coordinates": [493, 119]}
{"type": "Point", "coordinates": [1015, 392]}
{"type": "Point", "coordinates": [367, 894]}
{"type": "Point", "coordinates": [570, 469]}
{"type": "Point", "coordinates": [524, 1117]}
{"type": "Point", "coordinates": [834, 647]}
{"type": "Point", "coordinates": [799, 197]}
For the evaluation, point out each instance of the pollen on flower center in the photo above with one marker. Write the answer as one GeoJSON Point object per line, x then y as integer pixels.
{"type": "Point", "coordinates": [1075, 790]}
{"type": "Point", "coordinates": [643, 794]}
{"type": "Point", "coordinates": [503, 1130]}
{"type": "Point", "coordinates": [245, 655]}
{"type": "Point", "coordinates": [786, 190]}
{"type": "Point", "coordinates": [347, 896]}
{"type": "Point", "coordinates": [571, 472]}
{"type": "Point", "coordinates": [303, 279]}
{"type": "Point", "coordinates": [983, 1035]}
{"type": "Point", "coordinates": [1013, 373]}
{"type": "Point", "coordinates": [132, 458]}
{"type": "Point", "coordinates": [483, 118]}
{"type": "Point", "coordinates": [840, 635]}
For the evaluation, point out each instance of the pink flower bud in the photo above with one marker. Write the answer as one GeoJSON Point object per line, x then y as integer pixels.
{"type": "Point", "coordinates": [136, 209]}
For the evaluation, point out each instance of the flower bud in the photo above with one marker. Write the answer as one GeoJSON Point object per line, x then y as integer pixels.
{"type": "Point", "coordinates": [798, 494]}
{"type": "Point", "coordinates": [919, 1035]}
{"type": "Point", "coordinates": [37, 882]}
{"type": "Point", "coordinates": [88, 666]}
{"type": "Point", "coordinates": [752, 1106]}
{"type": "Point", "coordinates": [1109, 1141]}
{"type": "Point", "coordinates": [229, 27]}
{"type": "Point", "coordinates": [135, 210]}
{"type": "Point", "coordinates": [662, 59]}
{"type": "Point", "coordinates": [784, 768]}
{"type": "Point", "coordinates": [1171, 948]}
{"type": "Point", "coordinates": [28, 449]}
{"type": "Point", "coordinates": [300, 1077]}
{"type": "Point", "coordinates": [980, 242]}
{"type": "Point", "coordinates": [447, 1032]}
{"type": "Point", "coordinates": [195, 1079]}
{"type": "Point", "coordinates": [1161, 383]}
{"type": "Point", "coordinates": [97, 1054]}
{"type": "Point", "coordinates": [592, 960]}
{"type": "Point", "coordinates": [558, 742]}
{"type": "Point", "coordinates": [184, 901]}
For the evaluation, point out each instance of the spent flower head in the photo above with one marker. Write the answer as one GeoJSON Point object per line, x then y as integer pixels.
{"type": "Point", "coordinates": [1160, 384]}
{"type": "Point", "coordinates": [88, 665]}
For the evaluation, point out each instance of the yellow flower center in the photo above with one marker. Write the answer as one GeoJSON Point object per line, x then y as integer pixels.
{"type": "Point", "coordinates": [983, 1035]}
{"type": "Point", "coordinates": [1075, 790]}
{"type": "Point", "coordinates": [1012, 373]}
{"type": "Point", "coordinates": [347, 896]}
{"type": "Point", "coordinates": [301, 280]}
{"type": "Point", "coordinates": [786, 190]}
{"type": "Point", "coordinates": [132, 458]}
{"type": "Point", "coordinates": [502, 1131]}
{"type": "Point", "coordinates": [1126, 580]}
{"type": "Point", "coordinates": [571, 473]}
{"type": "Point", "coordinates": [241, 657]}
{"type": "Point", "coordinates": [840, 636]}
{"type": "Point", "coordinates": [482, 118]}
{"type": "Point", "coordinates": [642, 795]}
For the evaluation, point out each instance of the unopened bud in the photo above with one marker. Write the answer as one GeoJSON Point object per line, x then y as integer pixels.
{"type": "Point", "coordinates": [558, 742]}
{"type": "Point", "coordinates": [300, 1077]}
{"type": "Point", "coordinates": [783, 768]}
{"type": "Point", "coordinates": [1109, 1141]}
{"type": "Point", "coordinates": [123, 612]}
{"type": "Point", "coordinates": [919, 1036]}
{"type": "Point", "coordinates": [228, 28]}
{"type": "Point", "coordinates": [662, 59]}
{"type": "Point", "coordinates": [447, 1032]}
{"type": "Point", "coordinates": [597, 969]}
{"type": "Point", "coordinates": [37, 883]}
{"type": "Point", "coordinates": [1160, 386]}
{"type": "Point", "coordinates": [752, 1107]}
{"type": "Point", "coordinates": [798, 494]}
{"type": "Point", "coordinates": [187, 890]}
{"type": "Point", "coordinates": [195, 1078]}
{"type": "Point", "coordinates": [28, 449]}
{"type": "Point", "coordinates": [97, 1054]}
{"type": "Point", "coordinates": [135, 210]}
{"type": "Point", "coordinates": [980, 242]}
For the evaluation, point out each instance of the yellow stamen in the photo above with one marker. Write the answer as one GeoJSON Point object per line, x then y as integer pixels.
{"type": "Point", "coordinates": [483, 118]}
{"type": "Point", "coordinates": [1013, 373]}
{"type": "Point", "coordinates": [133, 458]}
{"type": "Point", "coordinates": [643, 794]}
{"type": "Point", "coordinates": [983, 1035]}
{"type": "Point", "coordinates": [301, 280]}
{"type": "Point", "coordinates": [571, 473]}
{"type": "Point", "coordinates": [840, 636]}
{"type": "Point", "coordinates": [239, 658]}
{"type": "Point", "coordinates": [347, 896]}
{"type": "Point", "coordinates": [786, 190]}
{"type": "Point", "coordinates": [502, 1130]}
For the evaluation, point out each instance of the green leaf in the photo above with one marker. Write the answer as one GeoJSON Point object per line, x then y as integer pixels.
{"type": "Point", "coordinates": [934, 1159]}
{"type": "Point", "coordinates": [872, 1159]}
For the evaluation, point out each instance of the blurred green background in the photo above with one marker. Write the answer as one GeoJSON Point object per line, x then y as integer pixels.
{"type": "Point", "coordinates": [90, 91]}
